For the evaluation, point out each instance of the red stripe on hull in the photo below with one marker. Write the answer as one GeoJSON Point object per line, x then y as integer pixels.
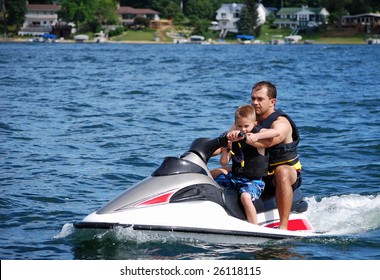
{"type": "Point", "coordinates": [294, 225]}
{"type": "Point", "coordinates": [164, 198]}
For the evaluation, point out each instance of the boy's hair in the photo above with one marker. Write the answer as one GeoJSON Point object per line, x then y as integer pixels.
{"type": "Point", "coordinates": [245, 111]}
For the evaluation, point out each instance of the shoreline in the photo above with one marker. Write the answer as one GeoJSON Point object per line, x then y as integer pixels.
{"type": "Point", "coordinates": [68, 41]}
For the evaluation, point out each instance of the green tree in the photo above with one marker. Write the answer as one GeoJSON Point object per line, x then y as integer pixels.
{"type": "Point", "coordinates": [244, 24]}
{"type": "Point", "coordinates": [14, 13]}
{"type": "Point", "coordinates": [201, 27]}
{"type": "Point", "coordinates": [248, 19]}
{"type": "Point", "coordinates": [105, 12]}
{"type": "Point", "coordinates": [92, 13]}
{"type": "Point", "coordinates": [337, 9]}
{"type": "Point", "coordinates": [202, 9]}
{"type": "Point", "coordinates": [167, 8]}
{"type": "Point", "coordinates": [35, 2]}
{"type": "Point", "coordinates": [360, 6]}
{"type": "Point", "coordinates": [72, 11]}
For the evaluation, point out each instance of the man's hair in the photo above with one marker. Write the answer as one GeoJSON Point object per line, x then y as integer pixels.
{"type": "Point", "coordinates": [245, 111]}
{"type": "Point", "coordinates": [271, 88]}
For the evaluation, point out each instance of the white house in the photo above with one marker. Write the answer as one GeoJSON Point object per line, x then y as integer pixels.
{"type": "Point", "coordinates": [301, 17]}
{"type": "Point", "coordinates": [39, 19]}
{"type": "Point", "coordinates": [228, 15]}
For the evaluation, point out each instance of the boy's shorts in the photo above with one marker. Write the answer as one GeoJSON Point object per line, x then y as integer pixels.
{"type": "Point", "coordinates": [253, 187]}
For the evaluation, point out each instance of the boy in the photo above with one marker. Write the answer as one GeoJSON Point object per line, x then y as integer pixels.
{"type": "Point", "coordinates": [249, 164]}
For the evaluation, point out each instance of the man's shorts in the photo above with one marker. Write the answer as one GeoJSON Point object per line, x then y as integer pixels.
{"type": "Point", "coordinates": [269, 182]}
{"type": "Point", "coordinates": [253, 187]}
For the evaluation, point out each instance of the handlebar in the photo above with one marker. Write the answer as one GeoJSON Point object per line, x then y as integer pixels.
{"type": "Point", "coordinates": [224, 141]}
{"type": "Point", "coordinates": [205, 147]}
{"type": "Point", "coordinates": [242, 134]}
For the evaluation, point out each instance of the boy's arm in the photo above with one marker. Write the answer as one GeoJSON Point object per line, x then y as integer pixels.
{"type": "Point", "coordinates": [225, 157]}
{"type": "Point", "coordinates": [262, 139]}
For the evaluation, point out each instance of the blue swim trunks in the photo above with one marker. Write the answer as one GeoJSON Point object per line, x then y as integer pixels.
{"type": "Point", "coordinates": [253, 187]}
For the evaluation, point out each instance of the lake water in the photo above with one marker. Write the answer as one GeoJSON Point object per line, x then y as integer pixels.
{"type": "Point", "coordinates": [80, 123]}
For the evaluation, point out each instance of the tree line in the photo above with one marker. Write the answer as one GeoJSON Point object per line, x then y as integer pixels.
{"type": "Point", "coordinates": [196, 13]}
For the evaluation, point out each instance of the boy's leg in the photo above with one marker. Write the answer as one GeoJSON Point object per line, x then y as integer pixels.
{"type": "Point", "coordinates": [249, 208]}
{"type": "Point", "coordinates": [221, 170]}
{"type": "Point", "coordinates": [249, 192]}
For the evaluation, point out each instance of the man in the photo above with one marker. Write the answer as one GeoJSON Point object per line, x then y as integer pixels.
{"type": "Point", "coordinates": [285, 167]}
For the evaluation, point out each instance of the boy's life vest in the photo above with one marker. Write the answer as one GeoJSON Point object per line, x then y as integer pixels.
{"type": "Point", "coordinates": [247, 162]}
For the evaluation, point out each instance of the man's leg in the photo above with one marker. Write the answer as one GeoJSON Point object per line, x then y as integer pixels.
{"type": "Point", "coordinates": [284, 177]}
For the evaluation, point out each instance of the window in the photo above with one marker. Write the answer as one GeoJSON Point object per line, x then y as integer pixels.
{"type": "Point", "coordinates": [302, 17]}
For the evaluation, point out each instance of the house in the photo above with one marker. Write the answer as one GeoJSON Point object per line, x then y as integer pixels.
{"type": "Point", "coordinates": [294, 18]}
{"type": "Point", "coordinates": [365, 21]}
{"type": "Point", "coordinates": [128, 14]}
{"type": "Point", "coordinates": [228, 15]}
{"type": "Point", "coordinates": [39, 19]}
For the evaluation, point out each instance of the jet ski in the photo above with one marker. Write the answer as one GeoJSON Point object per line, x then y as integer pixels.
{"type": "Point", "coordinates": [181, 199]}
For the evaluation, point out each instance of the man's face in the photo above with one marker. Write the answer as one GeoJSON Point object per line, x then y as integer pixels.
{"type": "Point", "coordinates": [261, 102]}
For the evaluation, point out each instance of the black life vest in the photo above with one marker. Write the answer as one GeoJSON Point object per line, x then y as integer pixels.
{"type": "Point", "coordinates": [247, 162]}
{"type": "Point", "coordinates": [281, 153]}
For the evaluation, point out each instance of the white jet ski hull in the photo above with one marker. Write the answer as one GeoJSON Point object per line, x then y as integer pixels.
{"type": "Point", "coordinates": [200, 220]}
{"type": "Point", "coordinates": [181, 199]}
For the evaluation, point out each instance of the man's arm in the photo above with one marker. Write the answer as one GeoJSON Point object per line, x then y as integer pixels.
{"type": "Point", "coordinates": [281, 132]}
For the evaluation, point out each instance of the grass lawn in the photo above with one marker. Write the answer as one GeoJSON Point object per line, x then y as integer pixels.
{"type": "Point", "coordinates": [136, 35]}
{"type": "Point", "coordinates": [356, 39]}
{"type": "Point", "coordinates": [148, 35]}
{"type": "Point", "coordinates": [318, 37]}
{"type": "Point", "coordinates": [266, 33]}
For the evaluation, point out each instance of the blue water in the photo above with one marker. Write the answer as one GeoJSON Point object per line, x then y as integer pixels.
{"type": "Point", "coordinates": [80, 123]}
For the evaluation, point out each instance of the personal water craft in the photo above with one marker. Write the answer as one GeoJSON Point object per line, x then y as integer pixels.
{"type": "Point", "coordinates": [181, 199]}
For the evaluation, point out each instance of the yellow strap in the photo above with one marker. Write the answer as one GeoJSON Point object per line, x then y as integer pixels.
{"type": "Point", "coordinates": [281, 162]}
{"type": "Point", "coordinates": [297, 166]}
{"type": "Point", "coordinates": [243, 162]}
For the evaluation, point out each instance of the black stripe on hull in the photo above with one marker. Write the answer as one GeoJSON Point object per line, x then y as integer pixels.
{"type": "Point", "coordinates": [92, 225]}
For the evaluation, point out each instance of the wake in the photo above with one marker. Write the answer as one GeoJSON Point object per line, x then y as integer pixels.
{"type": "Point", "coordinates": [345, 214]}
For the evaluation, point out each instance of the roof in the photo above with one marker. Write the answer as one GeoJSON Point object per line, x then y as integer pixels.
{"type": "Point", "coordinates": [363, 15]}
{"type": "Point", "coordinates": [232, 7]}
{"type": "Point", "coordinates": [130, 10]}
{"type": "Point", "coordinates": [43, 7]}
{"type": "Point", "coordinates": [294, 10]}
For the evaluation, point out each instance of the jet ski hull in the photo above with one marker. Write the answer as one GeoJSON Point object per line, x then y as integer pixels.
{"type": "Point", "coordinates": [181, 199]}
{"type": "Point", "coordinates": [204, 221]}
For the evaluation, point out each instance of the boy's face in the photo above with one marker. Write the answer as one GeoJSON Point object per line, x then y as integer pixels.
{"type": "Point", "coordinates": [245, 125]}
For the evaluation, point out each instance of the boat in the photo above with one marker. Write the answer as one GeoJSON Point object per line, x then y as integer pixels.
{"type": "Point", "coordinates": [44, 38]}
{"type": "Point", "coordinates": [197, 39]}
{"type": "Point", "coordinates": [245, 39]}
{"type": "Point", "coordinates": [181, 199]}
{"type": "Point", "coordinates": [277, 40]}
{"type": "Point", "coordinates": [81, 38]}
{"type": "Point", "coordinates": [293, 39]}
{"type": "Point", "coordinates": [373, 41]}
{"type": "Point", "coordinates": [309, 42]}
{"type": "Point", "coordinates": [100, 37]}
